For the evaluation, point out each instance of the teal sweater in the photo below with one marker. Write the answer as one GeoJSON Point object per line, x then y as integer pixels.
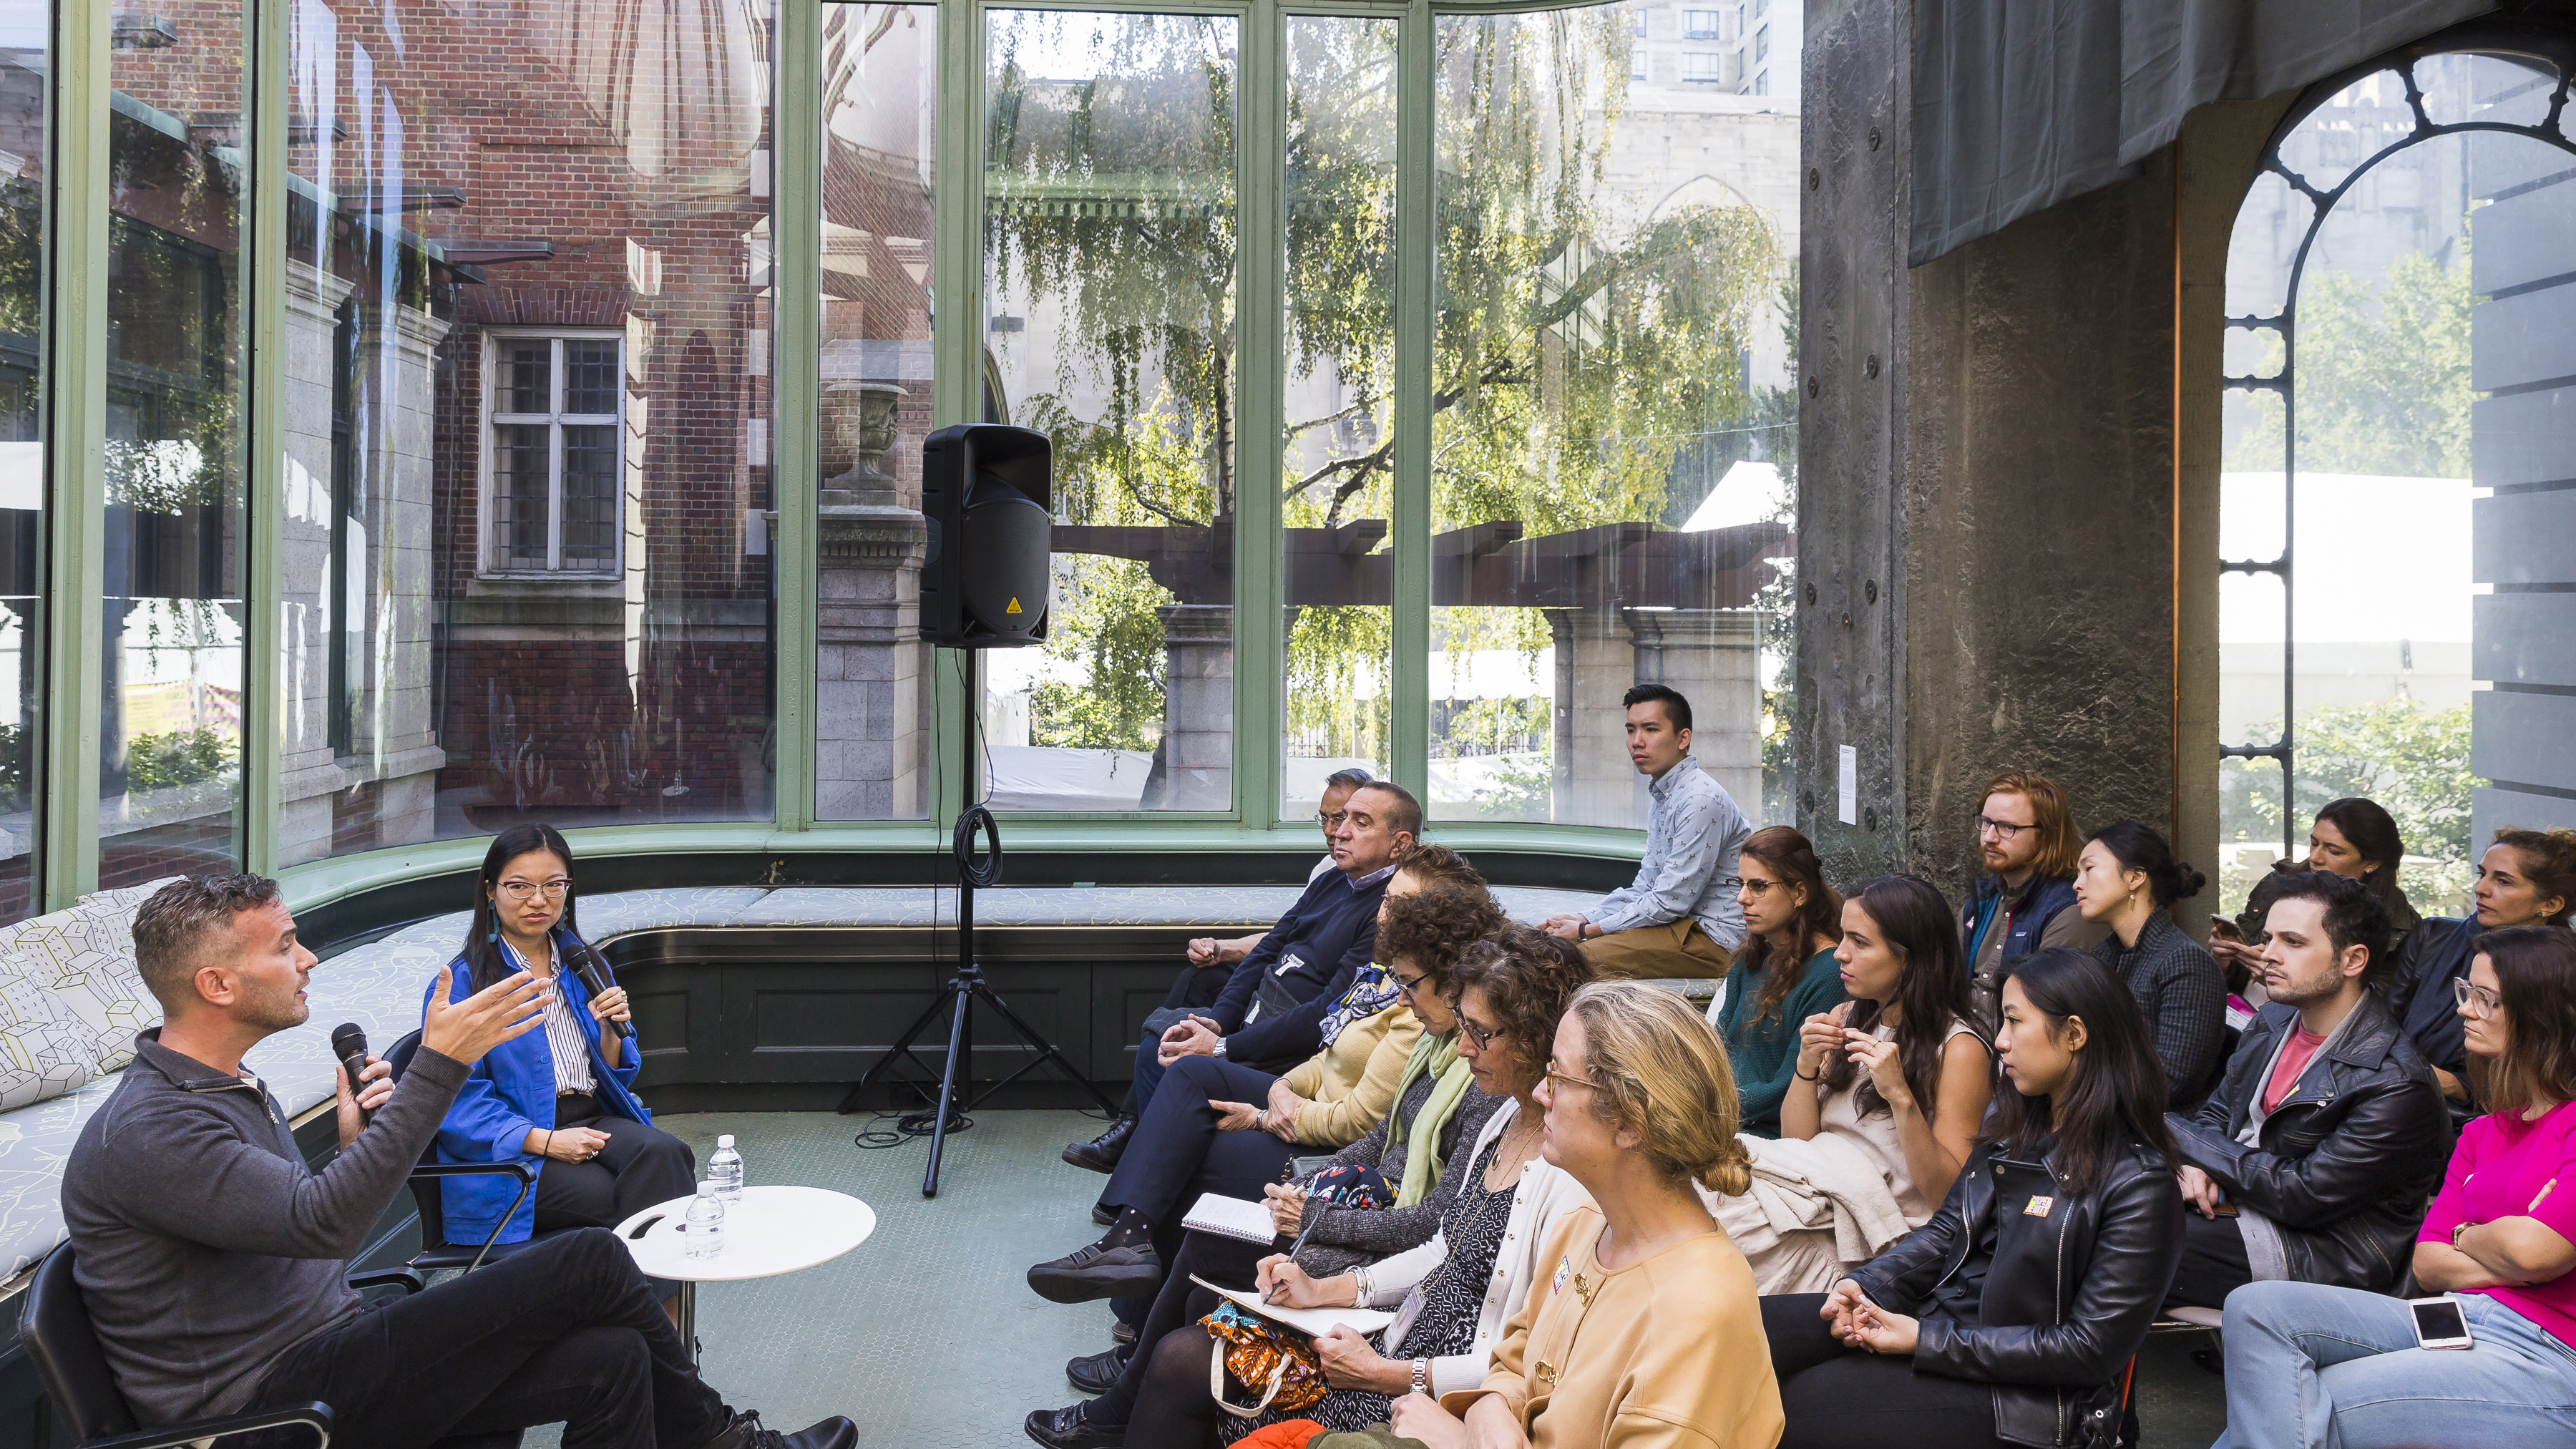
{"type": "Point", "coordinates": [1765, 1054]}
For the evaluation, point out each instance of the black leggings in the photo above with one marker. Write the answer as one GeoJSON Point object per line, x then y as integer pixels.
{"type": "Point", "coordinates": [1175, 1411]}
{"type": "Point", "coordinates": [1835, 1396]}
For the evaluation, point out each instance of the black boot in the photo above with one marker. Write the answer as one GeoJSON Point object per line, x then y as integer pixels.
{"type": "Point", "coordinates": [1101, 1153]}
{"type": "Point", "coordinates": [1095, 1373]}
{"type": "Point", "coordinates": [747, 1432]}
{"type": "Point", "coordinates": [1123, 1264]}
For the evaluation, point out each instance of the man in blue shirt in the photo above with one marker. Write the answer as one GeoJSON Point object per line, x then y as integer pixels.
{"type": "Point", "coordinates": [1270, 1013]}
{"type": "Point", "coordinates": [1679, 917]}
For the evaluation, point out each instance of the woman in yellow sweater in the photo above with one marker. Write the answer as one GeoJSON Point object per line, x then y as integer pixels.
{"type": "Point", "coordinates": [1622, 1344]}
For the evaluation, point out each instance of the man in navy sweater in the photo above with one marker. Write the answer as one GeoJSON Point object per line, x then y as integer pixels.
{"type": "Point", "coordinates": [1270, 1014]}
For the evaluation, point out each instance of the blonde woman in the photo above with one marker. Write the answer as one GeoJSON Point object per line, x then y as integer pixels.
{"type": "Point", "coordinates": [1612, 1348]}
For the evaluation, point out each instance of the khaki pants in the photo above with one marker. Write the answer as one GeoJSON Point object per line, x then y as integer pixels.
{"type": "Point", "coordinates": [1676, 948]}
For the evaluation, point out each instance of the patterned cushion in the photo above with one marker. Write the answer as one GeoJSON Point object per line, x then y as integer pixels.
{"type": "Point", "coordinates": [40, 1056]}
{"type": "Point", "coordinates": [85, 957]}
{"type": "Point", "coordinates": [128, 899]}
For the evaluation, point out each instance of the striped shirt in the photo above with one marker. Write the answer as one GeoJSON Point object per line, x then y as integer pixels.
{"type": "Point", "coordinates": [565, 1040]}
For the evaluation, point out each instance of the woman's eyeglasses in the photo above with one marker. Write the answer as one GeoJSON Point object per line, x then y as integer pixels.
{"type": "Point", "coordinates": [2476, 1000]}
{"type": "Point", "coordinates": [1483, 1039]}
{"type": "Point", "coordinates": [522, 890]}
{"type": "Point", "coordinates": [1757, 887]}
{"type": "Point", "coordinates": [1554, 1075]}
{"type": "Point", "coordinates": [1409, 984]}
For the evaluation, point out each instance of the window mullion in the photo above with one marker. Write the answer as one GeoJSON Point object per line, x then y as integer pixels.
{"type": "Point", "coordinates": [554, 456]}
{"type": "Point", "coordinates": [1416, 304]}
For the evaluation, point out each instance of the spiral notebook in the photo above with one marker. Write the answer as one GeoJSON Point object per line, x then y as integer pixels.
{"type": "Point", "coordinates": [1314, 1322]}
{"type": "Point", "coordinates": [1231, 1217]}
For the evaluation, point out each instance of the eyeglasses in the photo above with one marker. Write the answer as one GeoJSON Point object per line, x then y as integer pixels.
{"type": "Point", "coordinates": [1331, 820]}
{"type": "Point", "coordinates": [1483, 1039]}
{"type": "Point", "coordinates": [522, 890]}
{"type": "Point", "coordinates": [2476, 1000]}
{"type": "Point", "coordinates": [1409, 983]}
{"type": "Point", "coordinates": [1554, 1075]}
{"type": "Point", "coordinates": [2002, 830]}
{"type": "Point", "coordinates": [1757, 888]}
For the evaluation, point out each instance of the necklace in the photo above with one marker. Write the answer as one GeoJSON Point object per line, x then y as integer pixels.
{"type": "Point", "coordinates": [1519, 1145]}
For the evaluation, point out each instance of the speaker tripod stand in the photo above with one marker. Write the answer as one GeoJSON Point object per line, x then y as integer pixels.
{"type": "Point", "coordinates": [957, 998]}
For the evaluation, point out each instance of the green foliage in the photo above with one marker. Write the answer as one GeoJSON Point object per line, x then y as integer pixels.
{"type": "Point", "coordinates": [181, 757]}
{"type": "Point", "coordinates": [1331, 651]}
{"type": "Point", "coordinates": [1104, 617]}
{"type": "Point", "coordinates": [15, 741]}
{"type": "Point", "coordinates": [2383, 375]}
{"type": "Point", "coordinates": [2413, 761]}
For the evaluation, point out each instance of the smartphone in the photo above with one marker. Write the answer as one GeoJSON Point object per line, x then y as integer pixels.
{"type": "Point", "coordinates": [2439, 1323]}
{"type": "Point", "coordinates": [2225, 928]}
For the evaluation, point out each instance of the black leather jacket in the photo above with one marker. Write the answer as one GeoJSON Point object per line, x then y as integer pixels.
{"type": "Point", "coordinates": [2350, 1159]}
{"type": "Point", "coordinates": [2067, 1297]}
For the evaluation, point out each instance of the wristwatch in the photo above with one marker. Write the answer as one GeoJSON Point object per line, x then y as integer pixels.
{"type": "Point", "coordinates": [1218, 1051]}
{"type": "Point", "coordinates": [1422, 1376]}
{"type": "Point", "coordinates": [2458, 1229]}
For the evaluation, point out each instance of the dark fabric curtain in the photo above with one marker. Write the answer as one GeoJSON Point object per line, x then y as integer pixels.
{"type": "Point", "coordinates": [2020, 104]}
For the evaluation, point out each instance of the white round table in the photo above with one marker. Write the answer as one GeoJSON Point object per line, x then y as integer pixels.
{"type": "Point", "coordinates": [767, 1231]}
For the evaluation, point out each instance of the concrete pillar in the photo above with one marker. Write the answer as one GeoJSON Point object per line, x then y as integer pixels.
{"type": "Point", "coordinates": [1712, 656]}
{"type": "Point", "coordinates": [1198, 706]}
{"type": "Point", "coordinates": [870, 664]}
{"type": "Point", "coordinates": [1596, 661]}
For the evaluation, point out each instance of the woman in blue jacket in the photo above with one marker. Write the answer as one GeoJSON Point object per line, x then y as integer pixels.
{"type": "Point", "coordinates": [561, 1099]}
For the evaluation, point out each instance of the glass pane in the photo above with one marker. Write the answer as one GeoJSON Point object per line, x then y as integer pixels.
{"type": "Point", "coordinates": [874, 682]}
{"type": "Point", "coordinates": [1338, 459]}
{"type": "Point", "coordinates": [2494, 90]}
{"type": "Point", "coordinates": [525, 424]}
{"type": "Point", "coordinates": [25, 35]}
{"type": "Point", "coordinates": [1615, 426]}
{"type": "Point", "coordinates": [2249, 828]}
{"type": "Point", "coordinates": [1109, 239]}
{"type": "Point", "coordinates": [171, 651]}
{"type": "Point", "coordinates": [2269, 227]}
{"type": "Point", "coordinates": [2249, 659]}
{"type": "Point", "coordinates": [2355, 124]}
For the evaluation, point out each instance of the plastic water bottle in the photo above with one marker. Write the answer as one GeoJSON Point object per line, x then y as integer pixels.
{"type": "Point", "coordinates": [703, 1228]}
{"type": "Point", "coordinates": [725, 1170]}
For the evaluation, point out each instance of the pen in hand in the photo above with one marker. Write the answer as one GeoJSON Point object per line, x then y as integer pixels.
{"type": "Point", "coordinates": [1305, 1226]}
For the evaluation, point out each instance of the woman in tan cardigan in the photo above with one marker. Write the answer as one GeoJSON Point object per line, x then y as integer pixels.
{"type": "Point", "coordinates": [1625, 1344]}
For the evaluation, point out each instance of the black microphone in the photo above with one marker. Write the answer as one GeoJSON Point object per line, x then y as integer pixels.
{"type": "Point", "coordinates": [586, 966]}
{"type": "Point", "coordinates": [349, 1044]}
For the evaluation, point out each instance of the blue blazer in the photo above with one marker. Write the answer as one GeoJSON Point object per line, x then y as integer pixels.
{"type": "Point", "coordinates": [508, 1094]}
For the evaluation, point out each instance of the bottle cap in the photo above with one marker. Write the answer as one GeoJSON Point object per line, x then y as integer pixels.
{"type": "Point", "coordinates": [725, 1140]}
{"type": "Point", "coordinates": [706, 1189]}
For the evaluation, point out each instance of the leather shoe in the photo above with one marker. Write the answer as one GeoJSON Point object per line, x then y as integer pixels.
{"type": "Point", "coordinates": [1103, 1214]}
{"type": "Point", "coordinates": [1101, 1153]}
{"type": "Point", "coordinates": [1094, 1271]}
{"type": "Point", "coordinates": [747, 1432]}
{"type": "Point", "coordinates": [1065, 1429]}
{"type": "Point", "coordinates": [1093, 1373]}
{"type": "Point", "coordinates": [1122, 1333]}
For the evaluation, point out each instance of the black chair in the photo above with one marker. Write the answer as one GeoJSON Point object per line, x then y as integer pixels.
{"type": "Point", "coordinates": [435, 1251]}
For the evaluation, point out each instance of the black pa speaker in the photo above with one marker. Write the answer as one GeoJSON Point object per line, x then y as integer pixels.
{"type": "Point", "coordinates": [986, 489]}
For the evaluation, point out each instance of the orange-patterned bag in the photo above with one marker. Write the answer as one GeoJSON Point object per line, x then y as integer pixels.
{"type": "Point", "coordinates": [1261, 1356]}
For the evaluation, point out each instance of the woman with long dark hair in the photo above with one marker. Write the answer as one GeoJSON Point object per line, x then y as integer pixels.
{"type": "Point", "coordinates": [2309, 1364]}
{"type": "Point", "coordinates": [561, 1100]}
{"type": "Point", "coordinates": [2127, 879]}
{"type": "Point", "coordinates": [1785, 973]}
{"type": "Point", "coordinates": [2352, 837]}
{"type": "Point", "coordinates": [2012, 1315]}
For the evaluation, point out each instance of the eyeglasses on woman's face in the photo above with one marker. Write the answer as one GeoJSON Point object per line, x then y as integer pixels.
{"type": "Point", "coordinates": [522, 891]}
{"type": "Point", "coordinates": [1483, 1037]}
{"type": "Point", "coordinates": [1756, 887]}
{"type": "Point", "coordinates": [1409, 985]}
{"type": "Point", "coordinates": [1554, 1075]}
{"type": "Point", "coordinates": [2476, 1000]}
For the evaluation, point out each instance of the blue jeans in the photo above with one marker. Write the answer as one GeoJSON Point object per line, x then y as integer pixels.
{"type": "Point", "coordinates": [2317, 1367]}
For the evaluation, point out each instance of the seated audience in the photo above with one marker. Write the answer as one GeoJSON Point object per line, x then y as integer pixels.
{"type": "Point", "coordinates": [1268, 1013]}
{"type": "Point", "coordinates": [2012, 1316]}
{"type": "Point", "coordinates": [1215, 1125]}
{"type": "Point", "coordinates": [1785, 974]}
{"type": "Point", "coordinates": [2352, 837]}
{"type": "Point", "coordinates": [560, 1101]}
{"type": "Point", "coordinates": [2314, 1157]}
{"type": "Point", "coordinates": [1633, 1328]}
{"type": "Point", "coordinates": [1883, 1108]}
{"type": "Point", "coordinates": [212, 1261]}
{"type": "Point", "coordinates": [1507, 991]}
{"type": "Point", "coordinates": [2127, 879]}
{"type": "Point", "coordinates": [1198, 986]}
{"type": "Point", "coordinates": [2027, 845]}
{"type": "Point", "coordinates": [1679, 918]}
{"type": "Point", "coordinates": [2525, 878]}
{"type": "Point", "coordinates": [2312, 1364]}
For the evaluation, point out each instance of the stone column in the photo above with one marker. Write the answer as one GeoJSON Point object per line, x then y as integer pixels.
{"type": "Point", "coordinates": [1713, 657]}
{"type": "Point", "coordinates": [1198, 706]}
{"type": "Point", "coordinates": [1596, 661]}
{"type": "Point", "coordinates": [870, 663]}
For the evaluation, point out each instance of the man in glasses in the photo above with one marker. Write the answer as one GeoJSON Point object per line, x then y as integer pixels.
{"type": "Point", "coordinates": [2316, 1155]}
{"type": "Point", "coordinates": [2024, 903]}
{"type": "Point", "coordinates": [1198, 988]}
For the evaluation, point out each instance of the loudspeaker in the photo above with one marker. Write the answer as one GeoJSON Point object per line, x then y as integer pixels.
{"type": "Point", "coordinates": [986, 490]}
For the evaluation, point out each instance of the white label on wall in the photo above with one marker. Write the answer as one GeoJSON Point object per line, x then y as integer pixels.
{"type": "Point", "coordinates": [1851, 785]}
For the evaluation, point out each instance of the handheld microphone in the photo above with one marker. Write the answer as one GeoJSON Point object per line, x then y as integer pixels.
{"type": "Point", "coordinates": [349, 1044]}
{"type": "Point", "coordinates": [586, 966]}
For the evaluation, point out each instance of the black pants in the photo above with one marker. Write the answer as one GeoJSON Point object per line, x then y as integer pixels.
{"type": "Point", "coordinates": [1835, 1396]}
{"type": "Point", "coordinates": [1196, 988]}
{"type": "Point", "coordinates": [2213, 1262]}
{"type": "Point", "coordinates": [1226, 1262]}
{"type": "Point", "coordinates": [564, 1330]}
{"type": "Point", "coordinates": [640, 1166]}
{"type": "Point", "coordinates": [1178, 1153]}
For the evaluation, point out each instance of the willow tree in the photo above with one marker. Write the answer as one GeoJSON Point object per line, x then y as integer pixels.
{"type": "Point", "coordinates": [1583, 344]}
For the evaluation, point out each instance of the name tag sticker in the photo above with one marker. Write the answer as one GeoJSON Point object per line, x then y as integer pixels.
{"type": "Point", "coordinates": [1564, 1270]}
{"type": "Point", "coordinates": [2038, 1207]}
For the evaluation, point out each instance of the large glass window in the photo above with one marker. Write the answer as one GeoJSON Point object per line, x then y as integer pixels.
{"type": "Point", "coordinates": [26, 32]}
{"type": "Point", "coordinates": [2399, 467]}
{"type": "Point", "coordinates": [1612, 436]}
{"type": "Point", "coordinates": [527, 411]}
{"type": "Point", "coordinates": [170, 650]}
{"type": "Point", "coordinates": [873, 685]}
{"type": "Point", "coordinates": [1109, 319]}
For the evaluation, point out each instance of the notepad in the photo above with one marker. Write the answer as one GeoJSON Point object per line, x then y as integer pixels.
{"type": "Point", "coordinates": [1231, 1217]}
{"type": "Point", "coordinates": [1313, 1322]}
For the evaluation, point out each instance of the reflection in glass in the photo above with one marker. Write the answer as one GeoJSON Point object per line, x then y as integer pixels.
{"type": "Point", "coordinates": [25, 29]}
{"type": "Point", "coordinates": [1109, 254]}
{"type": "Point", "coordinates": [873, 685]}
{"type": "Point", "coordinates": [1340, 441]}
{"type": "Point", "coordinates": [526, 422]}
{"type": "Point", "coordinates": [170, 725]}
{"type": "Point", "coordinates": [1613, 435]}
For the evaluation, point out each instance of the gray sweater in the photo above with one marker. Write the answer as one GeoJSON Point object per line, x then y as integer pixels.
{"type": "Point", "coordinates": [205, 1248]}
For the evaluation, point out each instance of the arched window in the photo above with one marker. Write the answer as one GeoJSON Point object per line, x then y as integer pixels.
{"type": "Point", "coordinates": [2398, 515]}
